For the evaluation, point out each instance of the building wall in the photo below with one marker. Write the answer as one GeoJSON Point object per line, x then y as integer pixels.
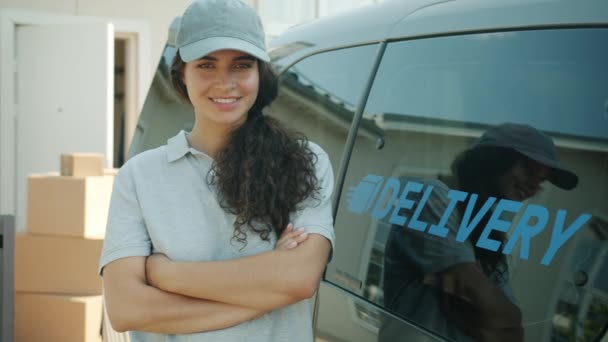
{"type": "Point", "coordinates": [158, 14]}
{"type": "Point", "coordinates": [277, 15]}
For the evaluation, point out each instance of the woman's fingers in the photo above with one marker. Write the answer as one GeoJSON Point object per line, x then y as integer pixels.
{"type": "Point", "coordinates": [302, 235]}
{"type": "Point", "coordinates": [285, 232]}
{"type": "Point", "coordinates": [291, 239]}
{"type": "Point", "coordinates": [292, 243]}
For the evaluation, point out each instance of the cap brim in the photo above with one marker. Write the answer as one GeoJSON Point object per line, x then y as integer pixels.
{"type": "Point", "coordinates": [564, 179]}
{"type": "Point", "coordinates": [561, 177]}
{"type": "Point", "coordinates": [204, 47]}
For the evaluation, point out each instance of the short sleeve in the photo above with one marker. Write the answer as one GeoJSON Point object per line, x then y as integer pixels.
{"type": "Point", "coordinates": [315, 214]}
{"type": "Point", "coordinates": [126, 233]}
{"type": "Point", "coordinates": [430, 253]}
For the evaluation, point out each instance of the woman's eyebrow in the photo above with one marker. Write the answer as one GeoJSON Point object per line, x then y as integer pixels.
{"type": "Point", "coordinates": [238, 58]}
{"type": "Point", "coordinates": [244, 57]}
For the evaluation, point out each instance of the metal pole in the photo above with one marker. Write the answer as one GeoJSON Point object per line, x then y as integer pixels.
{"type": "Point", "coordinates": [7, 277]}
{"type": "Point", "coordinates": [354, 127]}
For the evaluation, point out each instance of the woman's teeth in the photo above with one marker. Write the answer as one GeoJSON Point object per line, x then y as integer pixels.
{"type": "Point", "coordinates": [224, 101]}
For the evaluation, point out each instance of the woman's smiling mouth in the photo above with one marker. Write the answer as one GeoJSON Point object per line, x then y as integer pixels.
{"type": "Point", "coordinates": [225, 100]}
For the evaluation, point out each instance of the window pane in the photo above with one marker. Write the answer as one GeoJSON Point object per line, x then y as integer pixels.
{"type": "Point", "coordinates": [318, 95]}
{"type": "Point", "coordinates": [538, 77]}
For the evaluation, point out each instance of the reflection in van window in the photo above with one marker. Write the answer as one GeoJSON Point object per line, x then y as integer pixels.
{"type": "Point", "coordinates": [549, 79]}
{"type": "Point", "coordinates": [443, 249]}
{"type": "Point", "coordinates": [318, 96]}
{"type": "Point", "coordinates": [431, 101]}
{"type": "Point", "coordinates": [340, 74]}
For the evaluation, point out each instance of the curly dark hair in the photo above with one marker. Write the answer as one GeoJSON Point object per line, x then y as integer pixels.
{"type": "Point", "coordinates": [265, 171]}
{"type": "Point", "coordinates": [477, 171]}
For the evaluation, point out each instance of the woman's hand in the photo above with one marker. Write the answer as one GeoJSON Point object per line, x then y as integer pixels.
{"type": "Point", "coordinates": [291, 238]}
{"type": "Point", "coordinates": [157, 266]}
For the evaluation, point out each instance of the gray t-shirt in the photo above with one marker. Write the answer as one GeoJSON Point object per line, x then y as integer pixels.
{"type": "Point", "coordinates": [161, 203]}
{"type": "Point", "coordinates": [411, 254]}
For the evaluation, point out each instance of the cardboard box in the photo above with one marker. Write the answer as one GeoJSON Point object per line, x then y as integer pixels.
{"type": "Point", "coordinates": [56, 318]}
{"type": "Point", "coordinates": [54, 264]}
{"type": "Point", "coordinates": [82, 164]}
{"type": "Point", "coordinates": [68, 206]}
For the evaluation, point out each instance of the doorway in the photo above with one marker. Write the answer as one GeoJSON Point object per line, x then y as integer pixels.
{"type": "Point", "coordinates": [126, 108]}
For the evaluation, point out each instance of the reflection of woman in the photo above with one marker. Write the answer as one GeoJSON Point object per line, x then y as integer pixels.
{"type": "Point", "coordinates": [212, 203]}
{"type": "Point", "coordinates": [424, 273]}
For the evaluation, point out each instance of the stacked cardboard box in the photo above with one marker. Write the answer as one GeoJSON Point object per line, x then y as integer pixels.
{"type": "Point", "coordinates": [58, 291]}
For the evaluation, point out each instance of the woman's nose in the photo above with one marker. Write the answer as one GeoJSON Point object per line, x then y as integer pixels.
{"type": "Point", "coordinates": [225, 80]}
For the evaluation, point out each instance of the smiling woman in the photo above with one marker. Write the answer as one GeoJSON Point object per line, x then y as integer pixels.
{"type": "Point", "coordinates": [203, 232]}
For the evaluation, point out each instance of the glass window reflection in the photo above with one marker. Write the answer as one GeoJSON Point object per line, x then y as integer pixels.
{"type": "Point", "coordinates": [431, 101]}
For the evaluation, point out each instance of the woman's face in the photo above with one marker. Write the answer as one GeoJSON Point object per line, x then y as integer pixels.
{"type": "Point", "coordinates": [222, 86]}
{"type": "Point", "coordinates": [522, 180]}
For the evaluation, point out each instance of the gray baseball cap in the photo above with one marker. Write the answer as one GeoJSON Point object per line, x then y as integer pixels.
{"type": "Point", "coordinates": [211, 25]}
{"type": "Point", "coordinates": [535, 145]}
{"type": "Point", "coordinates": [173, 28]}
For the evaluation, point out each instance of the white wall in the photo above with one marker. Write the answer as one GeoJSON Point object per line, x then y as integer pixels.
{"type": "Point", "coordinates": [158, 14]}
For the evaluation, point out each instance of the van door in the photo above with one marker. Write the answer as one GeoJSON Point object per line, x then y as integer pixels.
{"type": "Point", "coordinates": [400, 222]}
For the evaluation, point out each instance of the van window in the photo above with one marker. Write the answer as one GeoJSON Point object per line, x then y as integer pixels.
{"type": "Point", "coordinates": [407, 212]}
{"type": "Point", "coordinates": [548, 79]}
{"type": "Point", "coordinates": [318, 96]}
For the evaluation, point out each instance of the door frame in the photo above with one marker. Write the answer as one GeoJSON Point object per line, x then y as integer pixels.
{"type": "Point", "coordinates": [137, 34]}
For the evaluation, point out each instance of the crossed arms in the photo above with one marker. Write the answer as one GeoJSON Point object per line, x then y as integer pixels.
{"type": "Point", "coordinates": [163, 296]}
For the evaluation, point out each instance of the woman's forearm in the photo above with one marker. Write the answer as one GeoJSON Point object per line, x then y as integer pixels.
{"type": "Point", "coordinates": [134, 305]}
{"type": "Point", "coordinates": [265, 281]}
{"type": "Point", "coordinates": [168, 313]}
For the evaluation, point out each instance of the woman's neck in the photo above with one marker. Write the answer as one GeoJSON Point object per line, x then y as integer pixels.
{"type": "Point", "coordinates": [208, 138]}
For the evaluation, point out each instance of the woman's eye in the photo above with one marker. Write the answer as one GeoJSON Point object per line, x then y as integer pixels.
{"type": "Point", "coordinates": [205, 66]}
{"type": "Point", "coordinates": [243, 66]}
